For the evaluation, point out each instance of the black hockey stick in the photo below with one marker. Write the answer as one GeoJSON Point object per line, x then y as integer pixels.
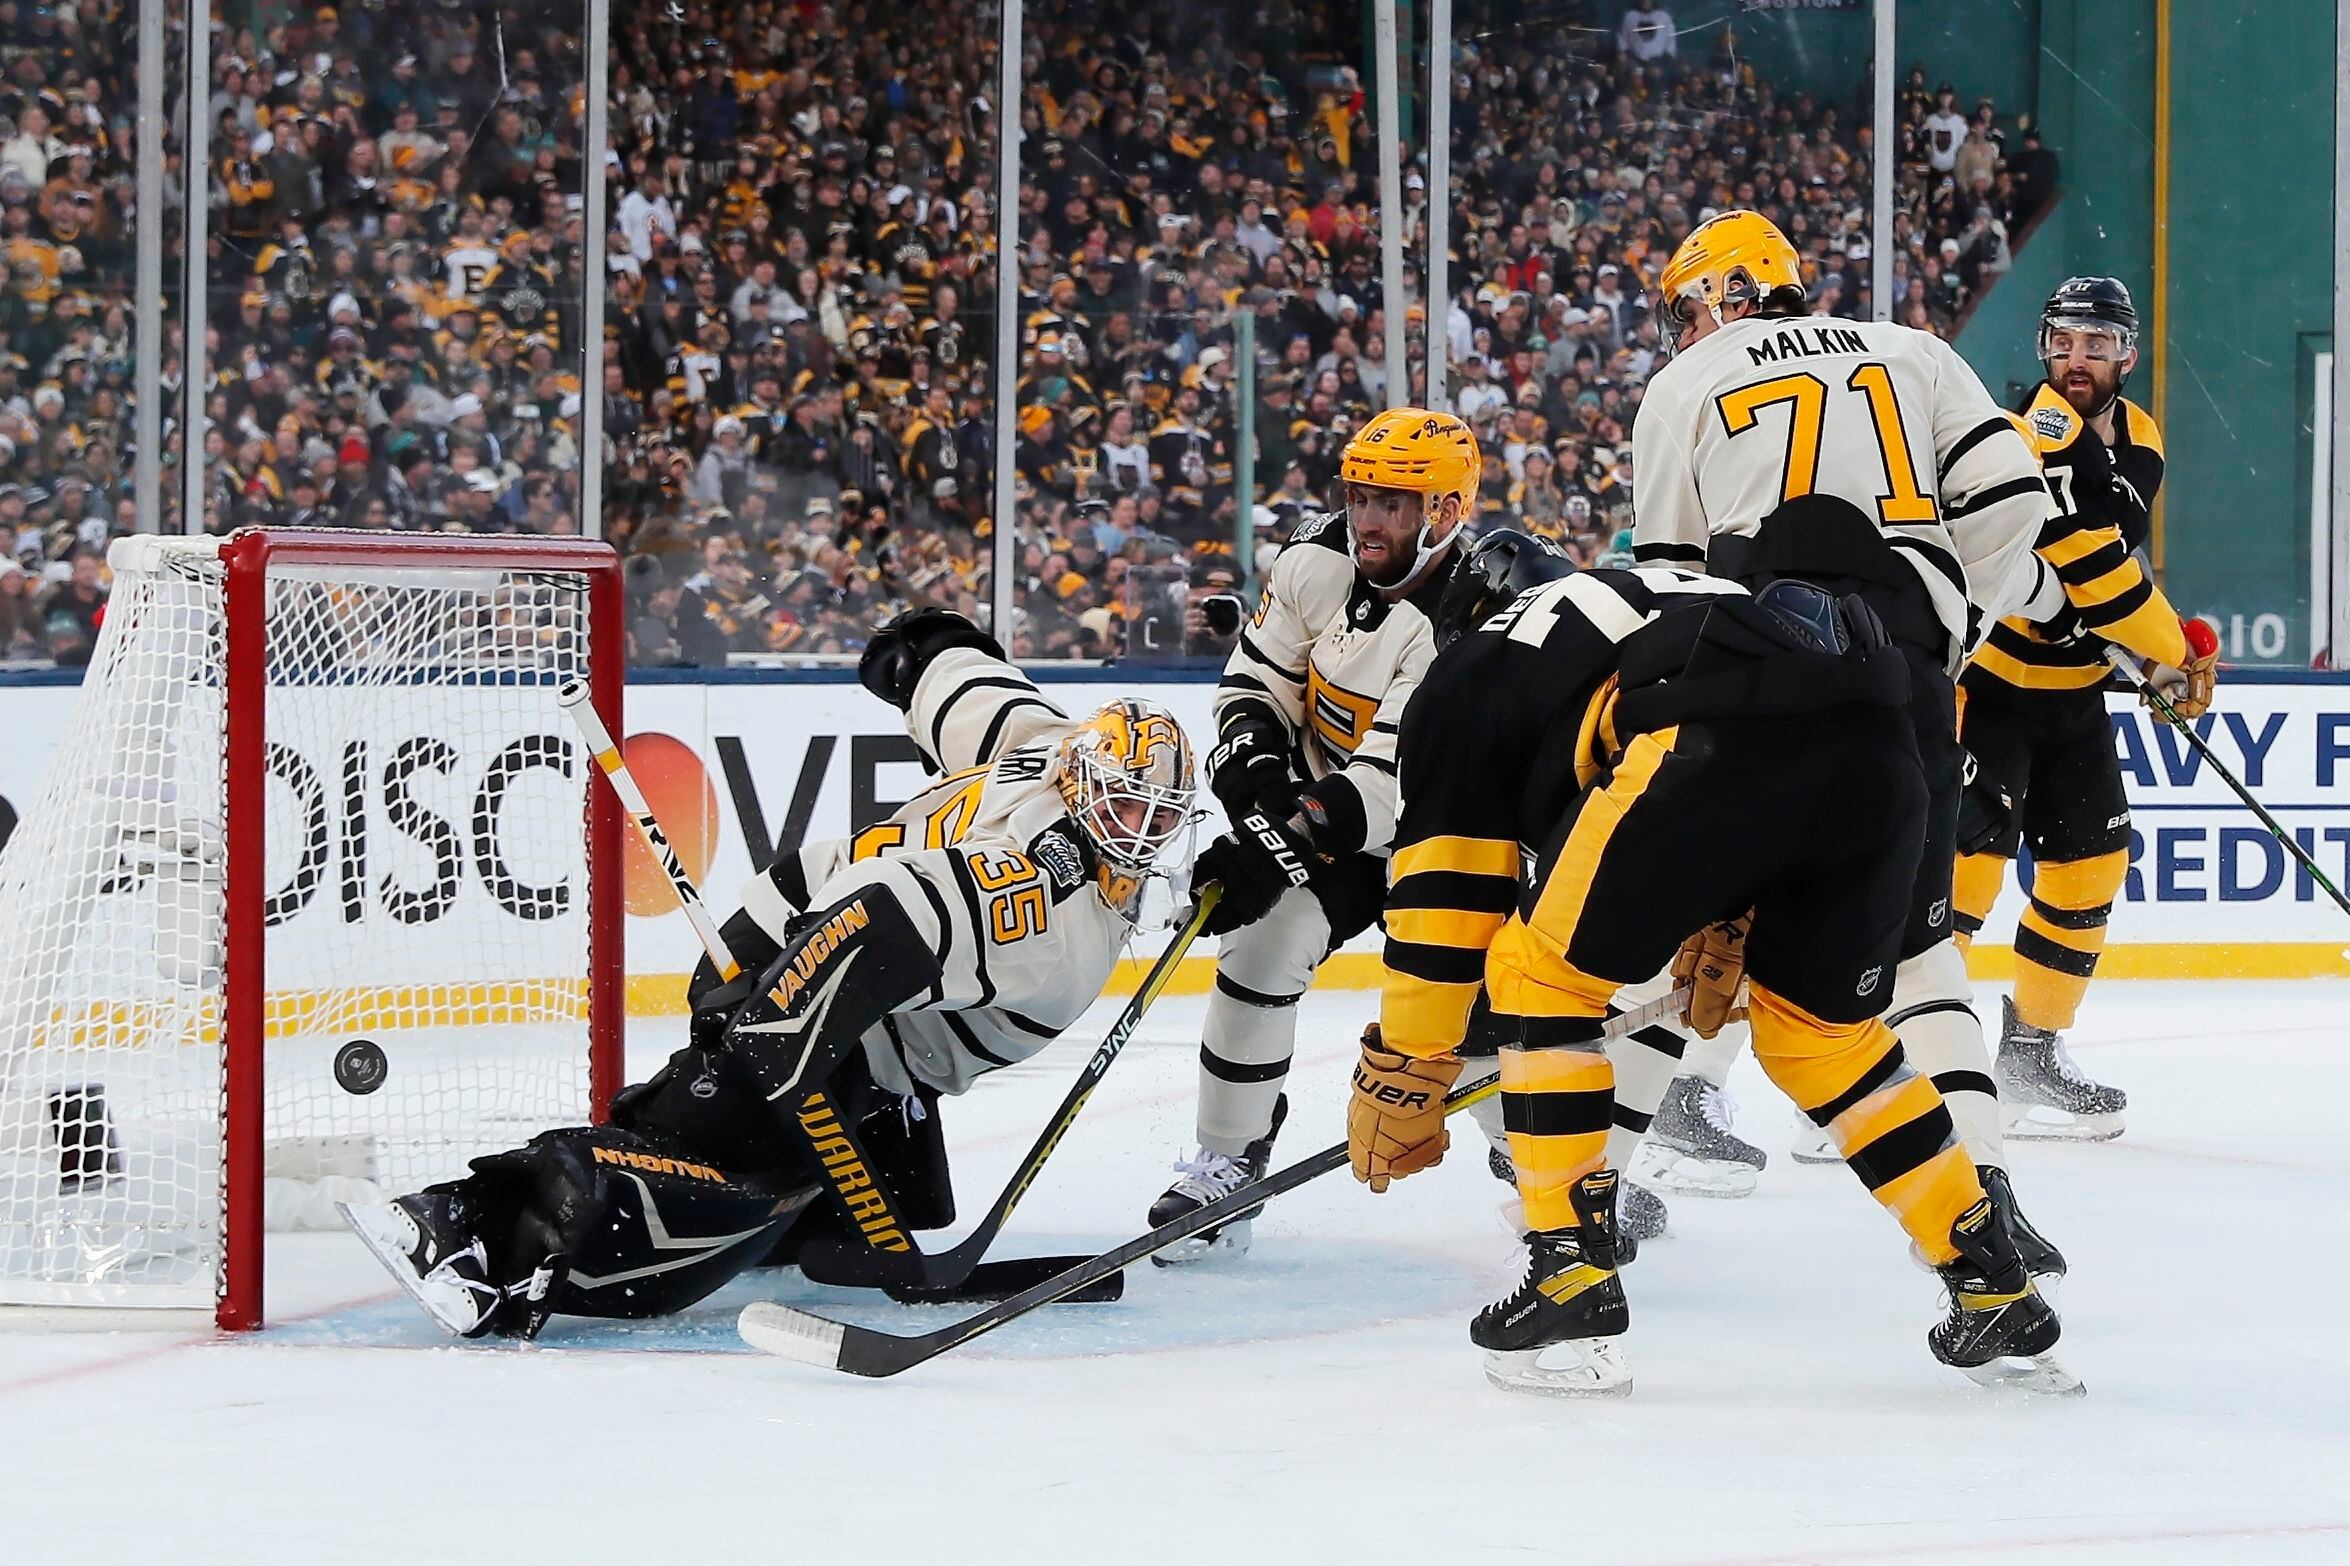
{"type": "Point", "coordinates": [2137, 676]}
{"type": "Point", "coordinates": [861, 1351]}
{"type": "Point", "coordinates": [915, 1273]}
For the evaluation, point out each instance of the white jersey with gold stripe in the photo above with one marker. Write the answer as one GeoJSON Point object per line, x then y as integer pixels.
{"type": "Point", "coordinates": [1887, 417]}
{"type": "Point", "coordinates": [1335, 661]}
{"type": "Point", "coordinates": [999, 880]}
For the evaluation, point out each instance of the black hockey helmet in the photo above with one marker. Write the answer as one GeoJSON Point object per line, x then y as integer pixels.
{"type": "Point", "coordinates": [1499, 566]}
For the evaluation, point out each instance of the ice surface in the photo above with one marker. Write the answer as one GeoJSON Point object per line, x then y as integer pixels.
{"type": "Point", "coordinates": [1318, 1401]}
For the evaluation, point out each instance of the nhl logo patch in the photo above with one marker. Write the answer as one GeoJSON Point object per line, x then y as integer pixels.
{"type": "Point", "coordinates": [2051, 424]}
{"type": "Point", "coordinates": [1868, 981]}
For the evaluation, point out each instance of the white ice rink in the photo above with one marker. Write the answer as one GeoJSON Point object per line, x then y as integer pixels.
{"type": "Point", "coordinates": [1319, 1401]}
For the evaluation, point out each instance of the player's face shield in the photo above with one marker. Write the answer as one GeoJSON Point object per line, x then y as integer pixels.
{"type": "Point", "coordinates": [2087, 360]}
{"type": "Point", "coordinates": [1386, 529]}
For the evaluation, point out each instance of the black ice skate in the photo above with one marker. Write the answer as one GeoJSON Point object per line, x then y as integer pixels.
{"type": "Point", "coordinates": [1641, 1214]}
{"type": "Point", "coordinates": [2043, 1095]}
{"type": "Point", "coordinates": [1691, 1148]}
{"type": "Point", "coordinates": [422, 1242]}
{"type": "Point", "coordinates": [1203, 1179]}
{"type": "Point", "coordinates": [2040, 1258]}
{"type": "Point", "coordinates": [1999, 1328]}
{"type": "Point", "coordinates": [1555, 1333]}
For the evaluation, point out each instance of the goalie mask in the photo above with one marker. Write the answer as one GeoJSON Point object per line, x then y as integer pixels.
{"type": "Point", "coordinates": [1127, 776]}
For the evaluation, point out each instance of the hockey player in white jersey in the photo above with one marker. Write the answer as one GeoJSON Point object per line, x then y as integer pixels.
{"type": "Point", "coordinates": [1866, 457]}
{"type": "Point", "coordinates": [1304, 765]}
{"type": "Point", "coordinates": [880, 971]}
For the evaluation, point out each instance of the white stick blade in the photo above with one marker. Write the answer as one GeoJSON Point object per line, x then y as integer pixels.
{"type": "Point", "coordinates": [791, 1334]}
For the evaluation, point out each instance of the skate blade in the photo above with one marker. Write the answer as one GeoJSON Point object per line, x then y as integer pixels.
{"type": "Point", "coordinates": [1670, 1170]}
{"type": "Point", "coordinates": [2038, 1375]}
{"type": "Point", "coordinates": [393, 1260]}
{"type": "Point", "coordinates": [2044, 1123]}
{"type": "Point", "coordinates": [1583, 1367]}
{"type": "Point", "coordinates": [1228, 1243]}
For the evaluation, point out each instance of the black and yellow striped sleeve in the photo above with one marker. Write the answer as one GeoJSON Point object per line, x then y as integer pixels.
{"type": "Point", "coordinates": [2110, 590]}
{"type": "Point", "coordinates": [1447, 897]}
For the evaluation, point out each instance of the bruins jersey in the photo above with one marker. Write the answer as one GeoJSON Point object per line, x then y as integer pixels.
{"type": "Point", "coordinates": [1335, 660]}
{"type": "Point", "coordinates": [1537, 685]}
{"type": "Point", "coordinates": [1001, 882]}
{"type": "Point", "coordinates": [465, 266]}
{"type": "Point", "coordinates": [1887, 417]}
{"type": "Point", "coordinates": [2104, 515]}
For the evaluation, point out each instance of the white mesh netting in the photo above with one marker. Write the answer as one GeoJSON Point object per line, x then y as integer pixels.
{"type": "Point", "coordinates": [427, 912]}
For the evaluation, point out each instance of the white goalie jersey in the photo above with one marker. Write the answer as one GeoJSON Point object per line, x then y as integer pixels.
{"type": "Point", "coordinates": [1336, 662]}
{"type": "Point", "coordinates": [1890, 418]}
{"type": "Point", "coordinates": [986, 860]}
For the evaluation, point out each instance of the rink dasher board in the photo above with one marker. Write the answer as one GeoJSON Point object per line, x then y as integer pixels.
{"type": "Point", "coordinates": [782, 758]}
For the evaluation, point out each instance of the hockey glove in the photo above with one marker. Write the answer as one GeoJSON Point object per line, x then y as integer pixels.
{"type": "Point", "coordinates": [1249, 768]}
{"type": "Point", "coordinates": [1986, 811]}
{"type": "Point", "coordinates": [1713, 964]}
{"type": "Point", "coordinates": [1257, 861]}
{"type": "Point", "coordinates": [894, 659]}
{"type": "Point", "coordinates": [2189, 690]}
{"type": "Point", "coordinates": [714, 1010]}
{"type": "Point", "coordinates": [1395, 1120]}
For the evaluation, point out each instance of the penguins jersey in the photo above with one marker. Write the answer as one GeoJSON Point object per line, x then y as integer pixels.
{"type": "Point", "coordinates": [1003, 886]}
{"type": "Point", "coordinates": [1336, 661]}
{"type": "Point", "coordinates": [1765, 410]}
{"type": "Point", "coordinates": [2104, 515]}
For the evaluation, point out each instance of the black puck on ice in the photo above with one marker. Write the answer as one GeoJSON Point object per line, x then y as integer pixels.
{"type": "Point", "coordinates": [360, 1067]}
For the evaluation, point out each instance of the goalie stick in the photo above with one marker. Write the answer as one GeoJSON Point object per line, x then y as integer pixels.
{"type": "Point", "coordinates": [910, 1275]}
{"type": "Point", "coordinates": [861, 1351]}
{"type": "Point", "coordinates": [915, 1276]}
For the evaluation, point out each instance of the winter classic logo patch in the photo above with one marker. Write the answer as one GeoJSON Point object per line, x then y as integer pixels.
{"type": "Point", "coordinates": [2051, 424]}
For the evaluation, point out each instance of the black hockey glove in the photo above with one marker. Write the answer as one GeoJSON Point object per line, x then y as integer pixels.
{"type": "Point", "coordinates": [899, 651]}
{"type": "Point", "coordinates": [1985, 811]}
{"type": "Point", "coordinates": [715, 1007]}
{"type": "Point", "coordinates": [1257, 861]}
{"type": "Point", "coordinates": [1249, 768]}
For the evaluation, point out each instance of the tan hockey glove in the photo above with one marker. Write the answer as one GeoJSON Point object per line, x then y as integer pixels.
{"type": "Point", "coordinates": [1395, 1121]}
{"type": "Point", "coordinates": [1713, 964]}
{"type": "Point", "coordinates": [2189, 690]}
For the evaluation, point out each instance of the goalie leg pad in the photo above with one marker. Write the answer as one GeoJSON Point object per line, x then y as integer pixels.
{"type": "Point", "coordinates": [606, 1221]}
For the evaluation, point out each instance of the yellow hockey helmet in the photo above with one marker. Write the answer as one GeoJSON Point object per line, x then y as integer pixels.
{"type": "Point", "coordinates": [1417, 449]}
{"type": "Point", "coordinates": [1736, 256]}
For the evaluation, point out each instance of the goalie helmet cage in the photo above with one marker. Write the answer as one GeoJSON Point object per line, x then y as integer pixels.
{"type": "Point", "coordinates": [319, 899]}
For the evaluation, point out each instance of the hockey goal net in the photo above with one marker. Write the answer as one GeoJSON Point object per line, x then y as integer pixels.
{"type": "Point", "coordinates": [318, 899]}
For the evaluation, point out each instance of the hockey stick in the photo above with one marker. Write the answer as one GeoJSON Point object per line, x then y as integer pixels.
{"type": "Point", "coordinates": [862, 1351]}
{"type": "Point", "coordinates": [2137, 676]}
{"type": "Point", "coordinates": [911, 1275]}
{"type": "Point", "coordinates": [573, 698]}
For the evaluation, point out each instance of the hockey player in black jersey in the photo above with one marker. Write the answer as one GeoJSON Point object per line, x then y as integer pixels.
{"type": "Point", "coordinates": [959, 935]}
{"type": "Point", "coordinates": [1670, 753]}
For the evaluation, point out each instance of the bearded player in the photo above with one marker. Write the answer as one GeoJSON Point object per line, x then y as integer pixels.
{"type": "Point", "coordinates": [2032, 708]}
{"type": "Point", "coordinates": [1304, 765]}
{"type": "Point", "coordinates": [960, 934]}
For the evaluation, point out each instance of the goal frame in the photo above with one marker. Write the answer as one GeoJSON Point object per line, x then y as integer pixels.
{"type": "Point", "coordinates": [248, 556]}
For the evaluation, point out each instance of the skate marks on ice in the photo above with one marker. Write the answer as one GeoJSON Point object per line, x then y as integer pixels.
{"type": "Point", "coordinates": [1301, 1288]}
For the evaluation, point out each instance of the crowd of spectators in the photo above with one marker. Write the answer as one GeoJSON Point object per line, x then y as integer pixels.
{"type": "Point", "coordinates": [796, 403]}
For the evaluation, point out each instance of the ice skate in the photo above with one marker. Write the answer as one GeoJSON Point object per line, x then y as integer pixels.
{"type": "Point", "coordinates": [2043, 1095]}
{"type": "Point", "coordinates": [2040, 1258]}
{"type": "Point", "coordinates": [422, 1242]}
{"type": "Point", "coordinates": [1555, 1333]}
{"type": "Point", "coordinates": [1812, 1143]}
{"type": "Point", "coordinates": [1691, 1148]}
{"type": "Point", "coordinates": [1205, 1177]}
{"type": "Point", "coordinates": [1641, 1214]}
{"type": "Point", "coordinates": [1999, 1329]}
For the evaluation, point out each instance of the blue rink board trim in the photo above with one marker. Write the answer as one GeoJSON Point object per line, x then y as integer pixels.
{"type": "Point", "coordinates": [1288, 1288]}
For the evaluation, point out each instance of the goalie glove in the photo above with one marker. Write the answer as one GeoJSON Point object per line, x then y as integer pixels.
{"type": "Point", "coordinates": [1713, 964]}
{"type": "Point", "coordinates": [2189, 690]}
{"type": "Point", "coordinates": [1395, 1120]}
{"type": "Point", "coordinates": [1986, 811]}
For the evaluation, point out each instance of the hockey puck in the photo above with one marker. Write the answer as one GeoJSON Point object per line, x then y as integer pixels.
{"type": "Point", "coordinates": [360, 1067]}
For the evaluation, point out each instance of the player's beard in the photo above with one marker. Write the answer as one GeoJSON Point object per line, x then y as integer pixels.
{"type": "Point", "coordinates": [1390, 561]}
{"type": "Point", "coordinates": [2090, 389]}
